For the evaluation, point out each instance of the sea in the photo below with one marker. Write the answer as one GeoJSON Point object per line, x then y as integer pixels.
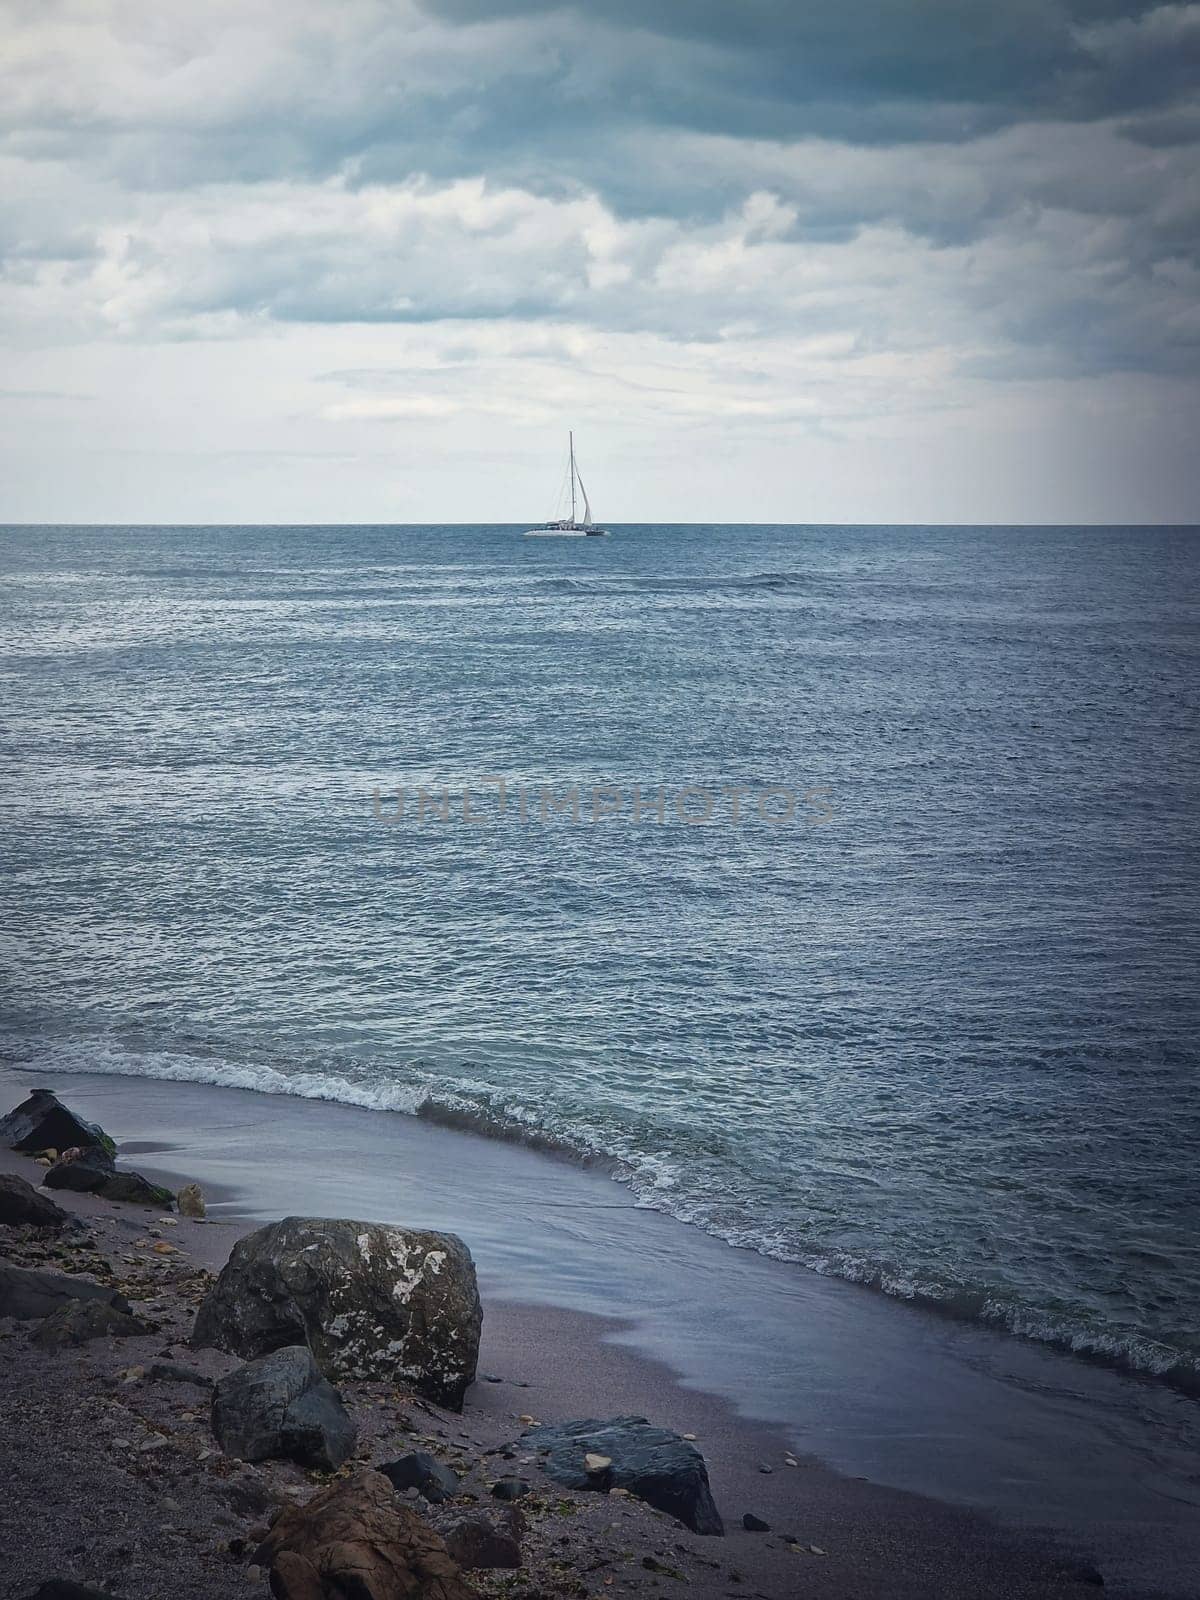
{"type": "Point", "coordinates": [833, 889]}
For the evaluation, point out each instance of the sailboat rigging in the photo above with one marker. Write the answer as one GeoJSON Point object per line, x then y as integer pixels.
{"type": "Point", "coordinates": [569, 528]}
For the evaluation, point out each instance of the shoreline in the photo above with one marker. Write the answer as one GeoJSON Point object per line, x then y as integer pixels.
{"type": "Point", "coordinates": [874, 1538]}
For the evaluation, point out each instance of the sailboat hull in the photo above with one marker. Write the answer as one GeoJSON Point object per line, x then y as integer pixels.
{"type": "Point", "coordinates": [566, 533]}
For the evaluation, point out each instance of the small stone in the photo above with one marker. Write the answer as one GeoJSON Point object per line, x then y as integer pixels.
{"type": "Point", "coordinates": [763, 1467]}
{"type": "Point", "coordinates": [688, 1436]}
{"type": "Point", "coordinates": [596, 1463]}
{"type": "Point", "coordinates": [510, 1489]}
{"type": "Point", "coordinates": [753, 1524]}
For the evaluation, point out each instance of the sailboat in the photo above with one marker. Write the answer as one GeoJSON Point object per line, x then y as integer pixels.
{"type": "Point", "coordinates": [570, 529]}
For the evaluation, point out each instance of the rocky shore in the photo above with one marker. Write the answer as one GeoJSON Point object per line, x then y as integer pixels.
{"type": "Point", "coordinates": [196, 1410]}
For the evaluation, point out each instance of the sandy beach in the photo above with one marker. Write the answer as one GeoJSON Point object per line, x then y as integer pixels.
{"type": "Point", "coordinates": [114, 1477]}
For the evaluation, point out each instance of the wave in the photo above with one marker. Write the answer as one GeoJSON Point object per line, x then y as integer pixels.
{"type": "Point", "coordinates": [657, 1180]}
{"type": "Point", "coordinates": [710, 583]}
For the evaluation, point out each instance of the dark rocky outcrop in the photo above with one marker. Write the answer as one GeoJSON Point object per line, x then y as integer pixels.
{"type": "Point", "coordinates": [281, 1406]}
{"type": "Point", "coordinates": [26, 1292]}
{"type": "Point", "coordinates": [43, 1123]}
{"type": "Point", "coordinates": [370, 1301]}
{"type": "Point", "coordinates": [421, 1471]}
{"type": "Point", "coordinates": [93, 1171]}
{"type": "Point", "coordinates": [21, 1204]}
{"type": "Point", "coordinates": [355, 1538]}
{"type": "Point", "coordinates": [79, 1321]}
{"type": "Point", "coordinates": [654, 1464]}
{"type": "Point", "coordinates": [478, 1543]}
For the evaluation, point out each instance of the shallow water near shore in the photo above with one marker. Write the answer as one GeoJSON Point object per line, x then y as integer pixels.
{"type": "Point", "coordinates": [896, 1394]}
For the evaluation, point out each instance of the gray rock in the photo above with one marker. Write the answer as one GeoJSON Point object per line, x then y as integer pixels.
{"type": "Point", "coordinates": [654, 1464]}
{"type": "Point", "coordinates": [479, 1544]}
{"type": "Point", "coordinates": [419, 1470]}
{"type": "Point", "coordinates": [370, 1301]}
{"type": "Point", "coordinates": [175, 1372]}
{"type": "Point", "coordinates": [94, 1172]}
{"type": "Point", "coordinates": [281, 1406]}
{"type": "Point", "coordinates": [753, 1524]}
{"type": "Point", "coordinates": [79, 1321]}
{"type": "Point", "coordinates": [43, 1123]}
{"type": "Point", "coordinates": [20, 1203]}
{"type": "Point", "coordinates": [510, 1489]}
{"type": "Point", "coordinates": [26, 1292]}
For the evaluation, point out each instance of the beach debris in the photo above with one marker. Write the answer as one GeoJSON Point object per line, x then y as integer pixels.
{"type": "Point", "coordinates": [190, 1200]}
{"type": "Point", "coordinates": [356, 1538]}
{"type": "Point", "coordinates": [79, 1321]}
{"type": "Point", "coordinates": [42, 1122]}
{"type": "Point", "coordinates": [281, 1406]}
{"type": "Point", "coordinates": [93, 1171]}
{"type": "Point", "coordinates": [655, 1464]}
{"type": "Point", "coordinates": [21, 1204]}
{"type": "Point", "coordinates": [423, 1472]}
{"type": "Point", "coordinates": [753, 1524]}
{"type": "Point", "coordinates": [28, 1292]}
{"type": "Point", "coordinates": [479, 1542]}
{"type": "Point", "coordinates": [511, 1489]}
{"type": "Point", "coordinates": [370, 1301]}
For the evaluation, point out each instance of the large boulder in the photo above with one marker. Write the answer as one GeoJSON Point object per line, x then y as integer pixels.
{"type": "Point", "coordinates": [93, 1171]}
{"type": "Point", "coordinates": [79, 1321]}
{"type": "Point", "coordinates": [20, 1203]}
{"type": "Point", "coordinates": [26, 1292]}
{"type": "Point", "coordinates": [355, 1538]}
{"type": "Point", "coordinates": [43, 1123]}
{"type": "Point", "coordinates": [370, 1301]}
{"type": "Point", "coordinates": [281, 1407]}
{"type": "Point", "coordinates": [654, 1464]}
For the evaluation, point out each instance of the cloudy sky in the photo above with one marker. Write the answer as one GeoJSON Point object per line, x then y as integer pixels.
{"type": "Point", "coordinates": [774, 260]}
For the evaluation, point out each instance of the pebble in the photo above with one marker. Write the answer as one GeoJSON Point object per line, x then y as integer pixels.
{"type": "Point", "coordinates": [763, 1467]}
{"type": "Point", "coordinates": [753, 1524]}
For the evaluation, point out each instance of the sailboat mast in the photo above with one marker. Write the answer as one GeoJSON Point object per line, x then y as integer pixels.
{"type": "Point", "coordinates": [571, 437]}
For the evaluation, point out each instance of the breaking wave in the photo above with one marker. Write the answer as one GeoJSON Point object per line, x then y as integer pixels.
{"type": "Point", "coordinates": [659, 1180]}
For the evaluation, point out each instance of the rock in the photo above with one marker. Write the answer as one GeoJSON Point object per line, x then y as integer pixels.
{"type": "Point", "coordinates": [174, 1372]}
{"type": "Point", "coordinates": [26, 1292]}
{"type": "Point", "coordinates": [370, 1301]}
{"type": "Point", "coordinates": [355, 1538]}
{"type": "Point", "coordinates": [594, 1464]}
{"type": "Point", "coordinates": [281, 1406]}
{"type": "Point", "coordinates": [20, 1203]}
{"type": "Point", "coordinates": [753, 1524]}
{"type": "Point", "coordinates": [42, 1122]}
{"type": "Point", "coordinates": [510, 1489]}
{"type": "Point", "coordinates": [417, 1470]}
{"type": "Point", "coordinates": [94, 1172]}
{"type": "Point", "coordinates": [654, 1464]}
{"type": "Point", "coordinates": [64, 1589]}
{"type": "Point", "coordinates": [190, 1200]}
{"type": "Point", "coordinates": [79, 1321]}
{"type": "Point", "coordinates": [477, 1543]}
{"type": "Point", "coordinates": [83, 1172]}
